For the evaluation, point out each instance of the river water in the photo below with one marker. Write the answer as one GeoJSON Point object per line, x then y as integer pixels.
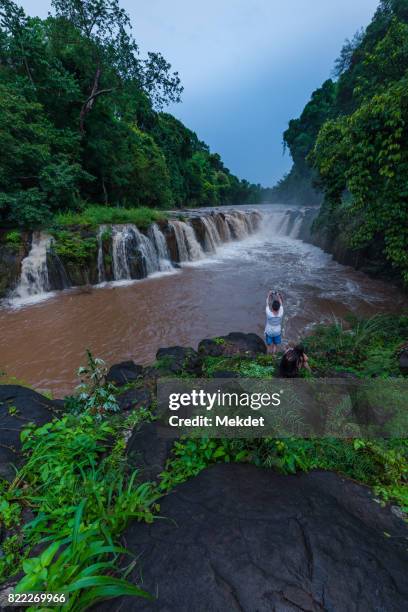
{"type": "Point", "coordinates": [42, 344]}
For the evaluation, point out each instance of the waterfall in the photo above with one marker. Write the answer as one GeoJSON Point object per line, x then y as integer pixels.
{"type": "Point", "coordinates": [149, 254]}
{"type": "Point", "coordinates": [101, 265]}
{"type": "Point", "coordinates": [297, 224]}
{"type": "Point", "coordinates": [137, 255]}
{"type": "Point", "coordinates": [212, 237]}
{"type": "Point", "coordinates": [34, 271]}
{"type": "Point", "coordinates": [189, 248]}
{"type": "Point", "coordinates": [238, 228]}
{"type": "Point", "coordinates": [180, 240]}
{"type": "Point", "coordinates": [159, 241]}
{"type": "Point", "coordinates": [193, 246]}
{"type": "Point", "coordinates": [223, 228]}
{"type": "Point", "coordinates": [134, 254]}
{"type": "Point", "coordinates": [120, 237]}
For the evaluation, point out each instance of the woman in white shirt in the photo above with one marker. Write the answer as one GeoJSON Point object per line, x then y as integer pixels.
{"type": "Point", "coordinates": [273, 327]}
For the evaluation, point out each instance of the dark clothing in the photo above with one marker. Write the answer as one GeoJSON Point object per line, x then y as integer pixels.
{"type": "Point", "coordinates": [290, 364]}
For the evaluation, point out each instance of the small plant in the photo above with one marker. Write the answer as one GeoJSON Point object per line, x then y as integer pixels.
{"type": "Point", "coordinates": [72, 247]}
{"type": "Point", "coordinates": [78, 566]}
{"type": "Point", "coordinates": [95, 395]}
{"type": "Point", "coordinates": [14, 240]}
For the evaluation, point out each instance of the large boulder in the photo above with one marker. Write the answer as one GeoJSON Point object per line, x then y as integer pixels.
{"type": "Point", "coordinates": [124, 373]}
{"type": "Point", "coordinates": [236, 343]}
{"type": "Point", "coordinates": [178, 359]}
{"type": "Point", "coordinates": [136, 398]}
{"type": "Point", "coordinates": [238, 537]}
{"type": "Point", "coordinates": [148, 449]}
{"type": "Point", "coordinates": [18, 407]}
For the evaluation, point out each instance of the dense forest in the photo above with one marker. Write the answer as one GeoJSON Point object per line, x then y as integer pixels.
{"type": "Point", "coordinates": [350, 144]}
{"type": "Point", "coordinates": [82, 120]}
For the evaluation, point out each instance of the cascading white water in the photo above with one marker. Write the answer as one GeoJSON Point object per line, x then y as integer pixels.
{"type": "Point", "coordinates": [180, 240]}
{"type": "Point", "coordinates": [189, 249]}
{"type": "Point", "coordinates": [101, 266]}
{"type": "Point", "coordinates": [212, 237]}
{"type": "Point", "coordinates": [34, 272]}
{"type": "Point", "coordinates": [193, 246]}
{"type": "Point", "coordinates": [294, 232]}
{"type": "Point", "coordinates": [121, 234]}
{"type": "Point", "coordinates": [238, 227]}
{"type": "Point", "coordinates": [148, 252]}
{"type": "Point", "coordinates": [284, 223]}
{"type": "Point", "coordinates": [159, 241]}
{"type": "Point", "coordinates": [128, 242]}
{"type": "Point", "coordinates": [223, 228]}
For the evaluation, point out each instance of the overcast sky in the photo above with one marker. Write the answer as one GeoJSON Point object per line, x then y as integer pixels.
{"type": "Point", "coordinates": [247, 66]}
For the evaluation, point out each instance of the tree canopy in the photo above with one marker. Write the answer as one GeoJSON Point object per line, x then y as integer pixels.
{"type": "Point", "coordinates": [82, 120]}
{"type": "Point", "coordinates": [351, 141]}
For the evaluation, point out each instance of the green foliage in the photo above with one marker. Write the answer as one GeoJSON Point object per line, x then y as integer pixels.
{"type": "Point", "coordinates": [364, 347]}
{"type": "Point", "coordinates": [13, 240]}
{"type": "Point", "coordinates": [77, 566]}
{"type": "Point", "coordinates": [95, 396]}
{"type": "Point", "coordinates": [92, 216]}
{"type": "Point", "coordinates": [81, 120]}
{"type": "Point", "coordinates": [76, 482]}
{"type": "Point", "coordinates": [300, 138]}
{"type": "Point", "coordinates": [73, 247]}
{"type": "Point", "coordinates": [351, 142]}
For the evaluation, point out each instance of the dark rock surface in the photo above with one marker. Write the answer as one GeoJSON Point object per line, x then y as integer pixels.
{"type": "Point", "coordinates": [236, 343]}
{"type": "Point", "coordinates": [57, 275]}
{"type": "Point", "coordinates": [170, 235]}
{"type": "Point", "coordinates": [123, 373]}
{"type": "Point", "coordinates": [240, 538]}
{"type": "Point", "coordinates": [148, 450]}
{"type": "Point", "coordinates": [10, 263]}
{"type": "Point", "coordinates": [177, 359]}
{"type": "Point", "coordinates": [18, 407]}
{"type": "Point", "coordinates": [133, 399]}
{"type": "Point", "coordinates": [199, 230]}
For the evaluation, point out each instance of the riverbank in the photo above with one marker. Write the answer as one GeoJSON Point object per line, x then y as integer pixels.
{"type": "Point", "coordinates": [222, 287]}
{"type": "Point", "coordinates": [128, 468]}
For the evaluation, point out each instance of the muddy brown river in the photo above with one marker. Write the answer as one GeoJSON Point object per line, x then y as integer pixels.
{"type": "Point", "coordinates": [43, 343]}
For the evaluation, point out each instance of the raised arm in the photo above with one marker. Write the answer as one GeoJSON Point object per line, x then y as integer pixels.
{"type": "Point", "coordinates": [268, 304]}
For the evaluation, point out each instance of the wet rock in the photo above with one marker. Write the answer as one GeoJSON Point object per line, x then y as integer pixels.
{"type": "Point", "coordinates": [148, 450]}
{"type": "Point", "coordinates": [238, 537]}
{"type": "Point", "coordinates": [403, 360]}
{"type": "Point", "coordinates": [10, 263]}
{"type": "Point", "coordinates": [236, 343]}
{"type": "Point", "coordinates": [125, 372]}
{"type": "Point", "coordinates": [57, 275]}
{"type": "Point", "coordinates": [199, 230]}
{"type": "Point", "coordinates": [18, 407]}
{"type": "Point", "coordinates": [178, 359]}
{"type": "Point", "coordinates": [133, 399]}
{"type": "Point", "coordinates": [170, 235]}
